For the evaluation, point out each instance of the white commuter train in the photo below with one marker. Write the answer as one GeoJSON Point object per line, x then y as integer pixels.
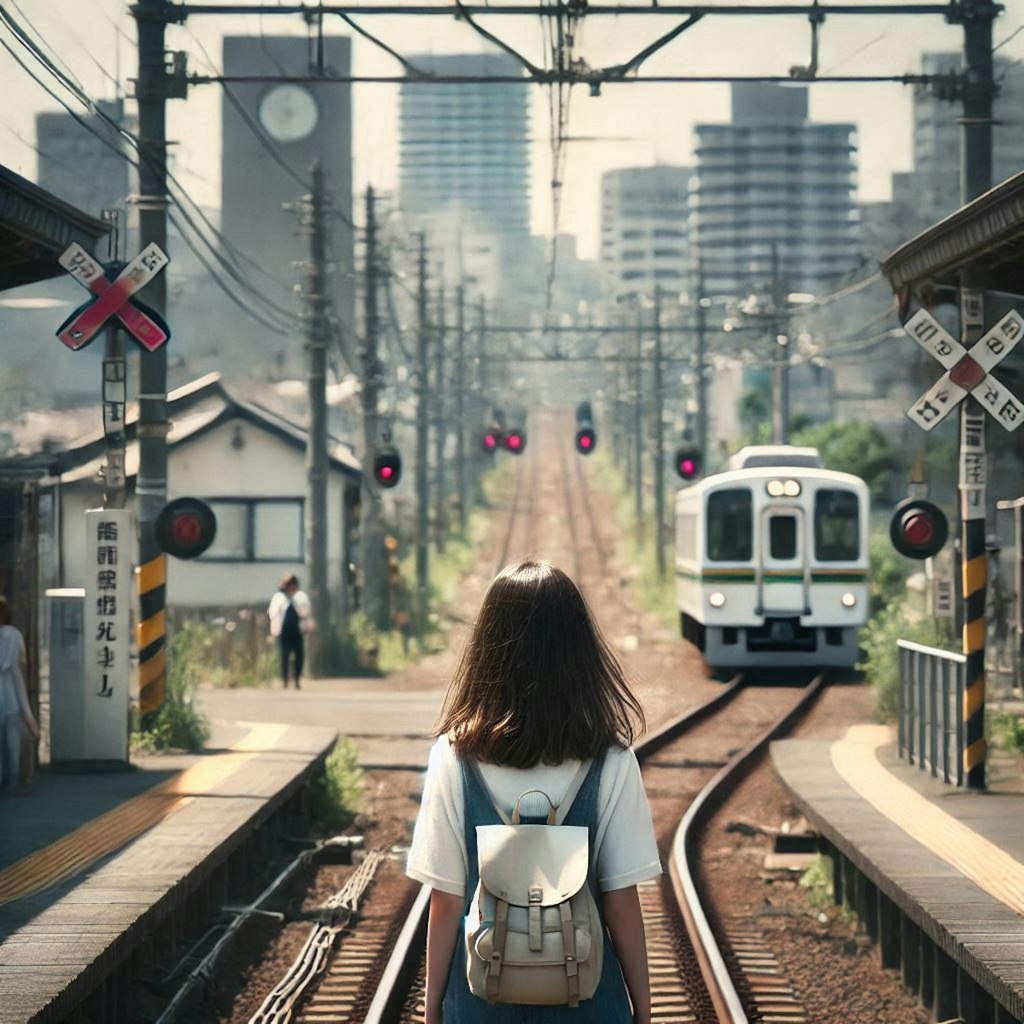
{"type": "Point", "coordinates": [772, 561]}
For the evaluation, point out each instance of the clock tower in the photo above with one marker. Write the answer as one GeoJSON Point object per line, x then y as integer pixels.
{"type": "Point", "coordinates": [266, 158]}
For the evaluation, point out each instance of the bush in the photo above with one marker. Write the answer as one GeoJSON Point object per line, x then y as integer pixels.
{"type": "Point", "coordinates": [177, 724]}
{"type": "Point", "coordinates": [881, 663]}
{"type": "Point", "coordinates": [335, 795]}
{"type": "Point", "coordinates": [1009, 729]}
{"type": "Point", "coordinates": [889, 572]}
{"type": "Point", "coordinates": [856, 447]}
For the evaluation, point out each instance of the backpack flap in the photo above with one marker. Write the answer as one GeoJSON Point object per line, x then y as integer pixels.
{"type": "Point", "coordinates": [533, 865]}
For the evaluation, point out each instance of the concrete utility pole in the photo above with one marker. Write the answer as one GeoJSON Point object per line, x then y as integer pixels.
{"type": "Point", "coordinates": [440, 429]}
{"type": "Point", "coordinates": [659, 440]}
{"type": "Point", "coordinates": [371, 545]}
{"type": "Point", "coordinates": [315, 294]}
{"type": "Point", "coordinates": [780, 356]}
{"type": "Point", "coordinates": [638, 429]}
{"type": "Point", "coordinates": [975, 178]}
{"type": "Point", "coordinates": [701, 369]}
{"type": "Point", "coordinates": [462, 463]}
{"type": "Point", "coordinates": [151, 92]}
{"type": "Point", "coordinates": [422, 438]}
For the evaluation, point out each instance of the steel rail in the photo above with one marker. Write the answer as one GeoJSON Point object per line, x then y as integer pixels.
{"type": "Point", "coordinates": [513, 512]}
{"type": "Point", "coordinates": [388, 1000]}
{"type": "Point", "coordinates": [717, 978]}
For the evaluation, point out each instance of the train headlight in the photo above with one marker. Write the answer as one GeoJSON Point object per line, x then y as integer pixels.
{"type": "Point", "coordinates": [775, 488]}
{"type": "Point", "coordinates": [716, 599]}
{"type": "Point", "coordinates": [848, 600]}
{"type": "Point", "coordinates": [791, 488]}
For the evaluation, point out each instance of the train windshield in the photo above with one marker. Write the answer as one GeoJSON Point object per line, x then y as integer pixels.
{"type": "Point", "coordinates": [836, 526]}
{"type": "Point", "coordinates": [729, 525]}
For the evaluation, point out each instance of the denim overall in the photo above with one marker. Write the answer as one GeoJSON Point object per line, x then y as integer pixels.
{"type": "Point", "coordinates": [610, 1003]}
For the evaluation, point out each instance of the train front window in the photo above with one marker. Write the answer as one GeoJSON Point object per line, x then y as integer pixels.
{"type": "Point", "coordinates": [729, 525]}
{"type": "Point", "coordinates": [782, 536]}
{"type": "Point", "coordinates": [836, 526]}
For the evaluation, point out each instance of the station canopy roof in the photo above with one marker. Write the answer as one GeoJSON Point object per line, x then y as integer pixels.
{"type": "Point", "coordinates": [35, 228]}
{"type": "Point", "coordinates": [987, 235]}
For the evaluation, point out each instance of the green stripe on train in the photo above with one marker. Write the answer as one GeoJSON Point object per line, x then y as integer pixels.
{"type": "Point", "coordinates": [747, 576]}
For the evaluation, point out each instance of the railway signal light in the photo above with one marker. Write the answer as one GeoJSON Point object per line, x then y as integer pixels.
{"type": "Point", "coordinates": [689, 463]}
{"type": "Point", "coordinates": [515, 441]}
{"type": "Point", "coordinates": [185, 527]}
{"type": "Point", "coordinates": [387, 467]}
{"type": "Point", "coordinates": [586, 440]}
{"type": "Point", "coordinates": [492, 439]}
{"type": "Point", "coordinates": [918, 528]}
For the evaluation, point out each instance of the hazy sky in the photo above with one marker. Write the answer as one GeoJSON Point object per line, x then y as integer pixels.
{"type": "Point", "coordinates": [634, 124]}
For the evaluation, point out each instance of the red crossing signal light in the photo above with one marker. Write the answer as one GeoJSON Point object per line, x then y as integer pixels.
{"type": "Point", "coordinates": [918, 528]}
{"type": "Point", "coordinates": [387, 467]}
{"type": "Point", "coordinates": [492, 439]}
{"type": "Point", "coordinates": [689, 463]}
{"type": "Point", "coordinates": [515, 441]}
{"type": "Point", "coordinates": [586, 440]}
{"type": "Point", "coordinates": [185, 527]}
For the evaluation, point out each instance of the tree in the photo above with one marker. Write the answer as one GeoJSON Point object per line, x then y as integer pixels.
{"type": "Point", "coordinates": [857, 447]}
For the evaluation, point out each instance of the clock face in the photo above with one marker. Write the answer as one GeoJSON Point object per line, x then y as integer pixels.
{"type": "Point", "coordinates": [288, 112]}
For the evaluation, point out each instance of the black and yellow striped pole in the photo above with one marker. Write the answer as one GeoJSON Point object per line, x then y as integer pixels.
{"type": "Point", "coordinates": [974, 568]}
{"type": "Point", "coordinates": [151, 633]}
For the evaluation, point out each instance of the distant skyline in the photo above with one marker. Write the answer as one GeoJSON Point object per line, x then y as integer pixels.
{"type": "Point", "coordinates": [628, 125]}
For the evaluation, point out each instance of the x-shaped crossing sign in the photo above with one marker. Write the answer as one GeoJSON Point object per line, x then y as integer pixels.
{"type": "Point", "coordinates": [966, 372]}
{"type": "Point", "coordinates": [112, 291]}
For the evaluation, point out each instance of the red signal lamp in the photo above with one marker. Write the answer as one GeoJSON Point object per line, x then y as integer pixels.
{"type": "Point", "coordinates": [185, 527]}
{"type": "Point", "coordinates": [387, 467]}
{"type": "Point", "coordinates": [586, 440]}
{"type": "Point", "coordinates": [688, 463]}
{"type": "Point", "coordinates": [918, 528]}
{"type": "Point", "coordinates": [515, 441]}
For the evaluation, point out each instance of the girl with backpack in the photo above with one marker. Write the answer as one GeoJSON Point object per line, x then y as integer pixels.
{"type": "Point", "coordinates": [536, 726]}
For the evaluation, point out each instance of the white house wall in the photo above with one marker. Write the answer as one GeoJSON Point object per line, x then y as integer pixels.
{"type": "Point", "coordinates": [210, 467]}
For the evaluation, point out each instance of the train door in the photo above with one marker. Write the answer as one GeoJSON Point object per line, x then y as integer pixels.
{"type": "Point", "coordinates": [782, 585]}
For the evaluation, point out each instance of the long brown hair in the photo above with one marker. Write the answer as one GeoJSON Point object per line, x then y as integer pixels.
{"type": "Point", "coordinates": [537, 680]}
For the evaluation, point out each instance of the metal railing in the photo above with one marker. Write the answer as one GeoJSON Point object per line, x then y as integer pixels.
{"type": "Point", "coordinates": [931, 724]}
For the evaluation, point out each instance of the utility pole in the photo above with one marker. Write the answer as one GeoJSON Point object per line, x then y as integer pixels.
{"type": "Point", "coordinates": [975, 178]}
{"type": "Point", "coordinates": [315, 294]}
{"type": "Point", "coordinates": [780, 356]}
{"type": "Point", "coordinates": [702, 384]}
{"type": "Point", "coordinates": [659, 440]}
{"type": "Point", "coordinates": [440, 429]}
{"type": "Point", "coordinates": [371, 544]}
{"type": "Point", "coordinates": [460, 410]}
{"type": "Point", "coordinates": [151, 91]}
{"type": "Point", "coordinates": [638, 429]}
{"type": "Point", "coordinates": [422, 439]}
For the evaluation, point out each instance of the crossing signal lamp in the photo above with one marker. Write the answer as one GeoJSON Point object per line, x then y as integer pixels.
{"type": "Point", "coordinates": [586, 440]}
{"type": "Point", "coordinates": [387, 467]}
{"type": "Point", "coordinates": [515, 441]}
{"type": "Point", "coordinates": [918, 528]}
{"type": "Point", "coordinates": [688, 463]}
{"type": "Point", "coordinates": [492, 439]}
{"type": "Point", "coordinates": [185, 527]}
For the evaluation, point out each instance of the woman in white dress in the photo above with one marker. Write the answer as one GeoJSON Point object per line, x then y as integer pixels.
{"type": "Point", "coordinates": [15, 712]}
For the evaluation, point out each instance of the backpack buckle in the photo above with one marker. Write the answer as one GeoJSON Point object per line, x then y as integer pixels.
{"type": "Point", "coordinates": [535, 894]}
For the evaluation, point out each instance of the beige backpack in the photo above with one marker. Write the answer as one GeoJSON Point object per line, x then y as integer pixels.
{"type": "Point", "coordinates": [533, 933]}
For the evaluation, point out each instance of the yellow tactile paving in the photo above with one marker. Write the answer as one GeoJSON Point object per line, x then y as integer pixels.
{"type": "Point", "coordinates": [80, 849]}
{"type": "Point", "coordinates": [988, 866]}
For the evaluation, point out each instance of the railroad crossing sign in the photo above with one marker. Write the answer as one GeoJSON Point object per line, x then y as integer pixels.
{"type": "Point", "coordinates": [966, 372]}
{"type": "Point", "coordinates": [112, 287]}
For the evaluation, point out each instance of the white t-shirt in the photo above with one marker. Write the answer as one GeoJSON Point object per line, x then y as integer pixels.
{"type": "Point", "coordinates": [625, 849]}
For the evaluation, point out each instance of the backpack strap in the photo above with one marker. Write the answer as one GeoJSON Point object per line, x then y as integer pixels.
{"type": "Point", "coordinates": [574, 787]}
{"type": "Point", "coordinates": [479, 776]}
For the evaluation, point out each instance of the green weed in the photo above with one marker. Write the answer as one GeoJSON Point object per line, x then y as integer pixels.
{"type": "Point", "coordinates": [335, 796]}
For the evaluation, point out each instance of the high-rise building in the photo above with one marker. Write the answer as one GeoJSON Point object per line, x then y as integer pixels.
{"type": "Point", "coordinates": [770, 182]}
{"type": "Point", "coordinates": [932, 189]}
{"type": "Point", "coordinates": [644, 229]}
{"type": "Point", "coordinates": [273, 132]}
{"type": "Point", "coordinates": [467, 148]}
{"type": "Point", "coordinates": [77, 165]}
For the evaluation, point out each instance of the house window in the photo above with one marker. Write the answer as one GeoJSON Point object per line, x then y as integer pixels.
{"type": "Point", "coordinates": [257, 530]}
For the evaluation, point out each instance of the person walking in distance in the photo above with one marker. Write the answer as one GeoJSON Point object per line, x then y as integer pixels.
{"type": "Point", "coordinates": [15, 711]}
{"type": "Point", "coordinates": [538, 720]}
{"type": "Point", "coordinates": [290, 619]}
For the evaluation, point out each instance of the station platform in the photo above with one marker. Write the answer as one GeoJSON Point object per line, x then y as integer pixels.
{"type": "Point", "coordinates": [935, 873]}
{"type": "Point", "coordinates": [98, 871]}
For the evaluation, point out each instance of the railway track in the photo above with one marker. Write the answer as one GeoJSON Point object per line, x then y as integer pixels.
{"type": "Point", "coordinates": [699, 973]}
